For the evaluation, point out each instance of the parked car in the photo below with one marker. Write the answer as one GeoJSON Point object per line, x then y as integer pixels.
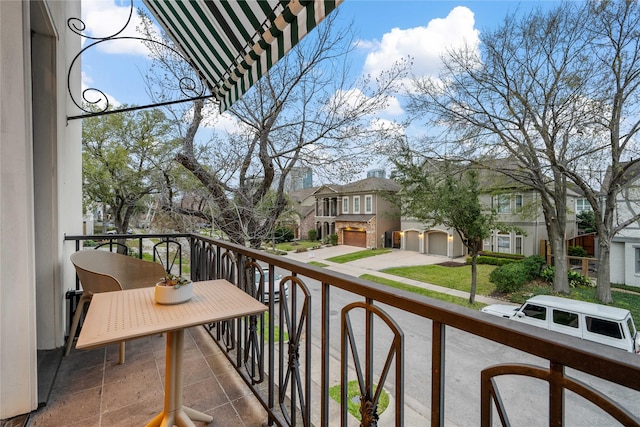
{"type": "Point", "coordinates": [276, 281]}
{"type": "Point", "coordinates": [594, 322]}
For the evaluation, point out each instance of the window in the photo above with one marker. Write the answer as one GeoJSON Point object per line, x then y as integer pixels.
{"type": "Point", "coordinates": [368, 204]}
{"type": "Point", "coordinates": [517, 200]}
{"type": "Point", "coordinates": [637, 252]}
{"type": "Point", "coordinates": [565, 318]}
{"type": "Point", "coordinates": [582, 205]}
{"type": "Point", "coordinates": [631, 326]}
{"type": "Point", "coordinates": [519, 249]}
{"type": "Point", "coordinates": [504, 243]}
{"type": "Point", "coordinates": [503, 203]}
{"type": "Point", "coordinates": [345, 205]}
{"type": "Point", "coordinates": [535, 311]}
{"type": "Point", "coordinates": [356, 204]}
{"type": "Point", "coordinates": [603, 327]}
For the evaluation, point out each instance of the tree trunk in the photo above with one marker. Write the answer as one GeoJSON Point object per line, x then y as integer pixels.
{"type": "Point", "coordinates": [603, 291]}
{"type": "Point", "coordinates": [560, 279]}
{"type": "Point", "coordinates": [474, 276]}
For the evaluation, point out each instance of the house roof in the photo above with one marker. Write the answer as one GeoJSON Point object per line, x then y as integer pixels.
{"type": "Point", "coordinates": [371, 184]}
{"type": "Point", "coordinates": [631, 174]}
{"type": "Point", "coordinates": [302, 194]}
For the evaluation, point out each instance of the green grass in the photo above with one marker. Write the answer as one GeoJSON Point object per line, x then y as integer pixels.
{"type": "Point", "coordinates": [276, 330]}
{"type": "Point", "coordinates": [449, 277]}
{"type": "Point", "coordinates": [318, 264]}
{"type": "Point", "coordinates": [425, 292]}
{"type": "Point", "coordinates": [341, 259]}
{"type": "Point", "coordinates": [353, 391]}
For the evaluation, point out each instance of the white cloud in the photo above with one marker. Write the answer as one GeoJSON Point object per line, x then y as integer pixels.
{"type": "Point", "coordinates": [104, 18]}
{"type": "Point", "coordinates": [94, 96]}
{"type": "Point", "coordinates": [424, 44]}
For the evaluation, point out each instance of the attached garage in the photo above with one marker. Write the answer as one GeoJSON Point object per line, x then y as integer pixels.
{"type": "Point", "coordinates": [412, 240]}
{"type": "Point", "coordinates": [437, 243]}
{"type": "Point", "coordinates": [354, 238]}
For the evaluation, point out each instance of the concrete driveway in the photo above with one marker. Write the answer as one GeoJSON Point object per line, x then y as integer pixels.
{"type": "Point", "coordinates": [373, 265]}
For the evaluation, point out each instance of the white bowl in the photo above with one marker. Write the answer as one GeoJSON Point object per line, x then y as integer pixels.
{"type": "Point", "coordinates": [171, 295]}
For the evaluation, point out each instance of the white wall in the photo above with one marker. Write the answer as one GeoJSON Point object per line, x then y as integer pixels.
{"type": "Point", "coordinates": [17, 273]}
{"type": "Point", "coordinates": [38, 149]}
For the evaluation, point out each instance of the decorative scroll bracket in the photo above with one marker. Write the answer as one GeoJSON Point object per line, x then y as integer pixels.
{"type": "Point", "coordinates": [191, 89]}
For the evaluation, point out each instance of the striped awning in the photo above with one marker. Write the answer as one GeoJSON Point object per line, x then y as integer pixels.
{"type": "Point", "coordinates": [231, 44]}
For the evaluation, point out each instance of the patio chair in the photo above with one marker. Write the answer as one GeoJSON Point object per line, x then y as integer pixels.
{"type": "Point", "coordinates": [103, 271]}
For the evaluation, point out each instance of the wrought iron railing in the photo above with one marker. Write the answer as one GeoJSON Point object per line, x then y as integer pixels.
{"type": "Point", "coordinates": [331, 327]}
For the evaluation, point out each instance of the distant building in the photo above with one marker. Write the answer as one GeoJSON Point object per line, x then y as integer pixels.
{"type": "Point", "coordinates": [376, 173]}
{"type": "Point", "coordinates": [299, 178]}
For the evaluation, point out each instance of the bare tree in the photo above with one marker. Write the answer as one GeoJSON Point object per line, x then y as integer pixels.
{"type": "Point", "coordinates": [305, 111]}
{"type": "Point", "coordinates": [612, 123]}
{"type": "Point", "coordinates": [518, 97]}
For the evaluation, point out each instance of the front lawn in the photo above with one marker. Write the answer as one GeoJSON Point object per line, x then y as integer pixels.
{"type": "Point", "coordinates": [353, 256]}
{"type": "Point", "coordinates": [449, 277]}
{"type": "Point", "coordinates": [426, 292]}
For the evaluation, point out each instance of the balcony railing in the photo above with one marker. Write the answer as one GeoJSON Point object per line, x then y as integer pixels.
{"type": "Point", "coordinates": [436, 360]}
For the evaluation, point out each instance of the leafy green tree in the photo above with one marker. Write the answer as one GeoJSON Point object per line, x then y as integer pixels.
{"type": "Point", "coordinates": [586, 221]}
{"type": "Point", "coordinates": [438, 193]}
{"type": "Point", "coordinates": [124, 156]}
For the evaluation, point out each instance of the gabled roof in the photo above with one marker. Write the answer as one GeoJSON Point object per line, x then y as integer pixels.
{"type": "Point", "coordinates": [371, 184]}
{"type": "Point", "coordinates": [302, 194]}
{"type": "Point", "coordinates": [631, 174]}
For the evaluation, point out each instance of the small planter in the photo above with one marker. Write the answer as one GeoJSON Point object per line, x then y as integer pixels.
{"type": "Point", "coordinates": [168, 295]}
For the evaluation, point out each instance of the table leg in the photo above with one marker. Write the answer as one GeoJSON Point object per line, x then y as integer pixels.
{"type": "Point", "coordinates": [174, 413]}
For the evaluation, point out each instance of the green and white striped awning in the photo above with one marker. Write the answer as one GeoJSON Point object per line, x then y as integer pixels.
{"type": "Point", "coordinates": [233, 43]}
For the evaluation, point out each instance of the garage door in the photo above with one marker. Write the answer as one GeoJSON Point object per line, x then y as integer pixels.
{"type": "Point", "coordinates": [355, 238]}
{"type": "Point", "coordinates": [437, 244]}
{"type": "Point", "coordinates": [412, 241]}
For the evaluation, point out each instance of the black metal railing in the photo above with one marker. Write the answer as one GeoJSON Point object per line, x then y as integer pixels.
{"type": "Point", "coordinates": [328, 327]}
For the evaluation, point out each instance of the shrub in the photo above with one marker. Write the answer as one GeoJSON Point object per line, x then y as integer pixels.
{"type": "Point", "coordinates": [547, 274]}
{"type": "Point", "coordinates": [577, 251]}
{"type": "Point", "coordinates": [313, 235]}
{"type": "Point", "coordinates": [333, 239]}
{"type": "Point", "coordinates": [533, 265]}
{"type": "Point", "coordinates": [283, 234]}
{"type": "Point", "coordinates": [302, 249]}
{"type": "Point", "coordinates": [501, 255]}
{"type": "Point", "coordinates": [509, 277]}
{"type": "Point", "coordinates": [492, 260]}
{"type": "Point", "coordinates": [577, 280]}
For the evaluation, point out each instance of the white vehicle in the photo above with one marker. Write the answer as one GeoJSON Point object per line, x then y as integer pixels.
{"type": "Point", "coordinates": [276, 283]}
{"type": "Point", "coordinates": [594, 322]}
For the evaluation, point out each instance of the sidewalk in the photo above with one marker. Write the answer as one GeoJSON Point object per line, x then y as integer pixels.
{"type": "Point", "coordinates": [373, 265]}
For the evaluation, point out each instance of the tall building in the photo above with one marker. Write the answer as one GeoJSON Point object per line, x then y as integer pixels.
{"type": "Point", "coordinates": [376, 173]}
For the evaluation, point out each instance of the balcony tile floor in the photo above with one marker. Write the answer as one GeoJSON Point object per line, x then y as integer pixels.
{"type": "Point", "coordinates": [92, 389]}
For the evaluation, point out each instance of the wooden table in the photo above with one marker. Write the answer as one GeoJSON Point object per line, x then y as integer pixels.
{"type": "Point", "coordinates": [121, 315]}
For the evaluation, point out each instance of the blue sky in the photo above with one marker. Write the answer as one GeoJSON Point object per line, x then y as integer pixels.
{"type": "Point", "coordinates": [387, 30]}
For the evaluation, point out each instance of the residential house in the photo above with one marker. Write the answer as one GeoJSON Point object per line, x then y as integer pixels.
{"type": "Point", "coordinates": [305, 204]}
{"type": "Point", "coordinates": [625, 245]}
{"type": "Point", "coordinates": [359, 213]}
{"type": "Point", "coordinates": [518, 207]}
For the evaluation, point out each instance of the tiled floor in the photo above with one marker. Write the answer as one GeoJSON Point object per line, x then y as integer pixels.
{"type": "Point", "coordinates": [92, 389]}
